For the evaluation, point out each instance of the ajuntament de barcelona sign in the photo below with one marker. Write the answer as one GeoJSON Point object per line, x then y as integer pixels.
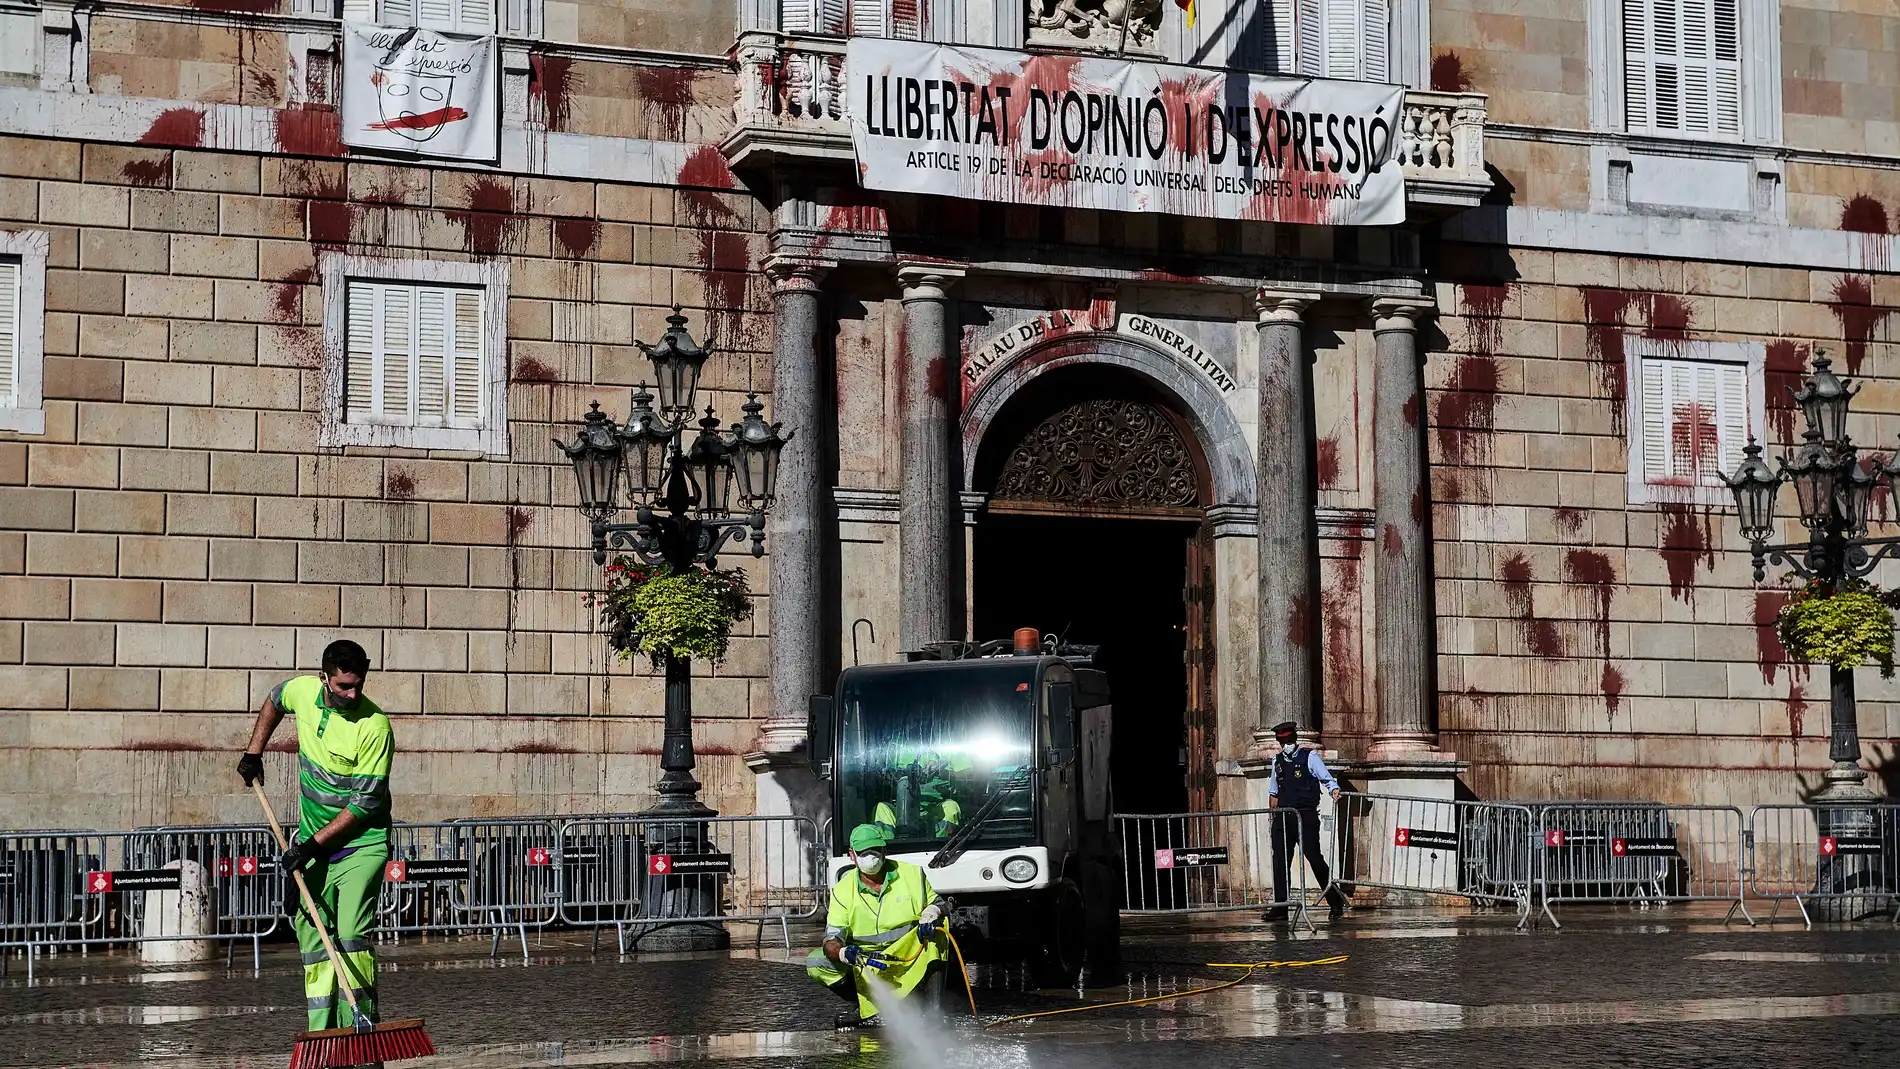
{"type": "Point", "coordinates": [1105, 132]}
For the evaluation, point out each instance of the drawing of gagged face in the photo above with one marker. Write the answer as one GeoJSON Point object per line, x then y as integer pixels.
{"type": "Point", "coordinates": [415, 105]}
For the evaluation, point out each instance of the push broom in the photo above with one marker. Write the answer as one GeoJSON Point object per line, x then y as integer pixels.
{"type": "Point", "coordinates": [364, 1042]}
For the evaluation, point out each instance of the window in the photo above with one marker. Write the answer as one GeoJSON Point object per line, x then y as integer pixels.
{"type": "Point", "coordinates": [1348, 39]}
{"type": "Point", "coordinates": [475, 18]}
{"type": "Point", "coordinates": [1682, 67]}
{"type": "Point", "coordinates": [22, 329]}
{"type": "Point", "coordinates": [1693, 406]}
{"type": "Point", "coordinates": [414, 353]}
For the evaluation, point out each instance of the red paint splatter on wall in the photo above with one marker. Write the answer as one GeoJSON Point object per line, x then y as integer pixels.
{"type": "Point", "coordinates": [311, 130]}
{"type": "Point", "coordinates": [1540, 635]}
{"type": "Point", "coordinates": [1670, 317]}
{"type": "Point", "coordinates": [1864, 214]}
{"type": "Point", "coordinates": [1769, 654]}
{"type": "Point", "coordinates": [1299, 624]}
{"type": "Point", "coordinates": [1448, 73]}
{"type": "Point", "coordinates": [1326, 463]}
{"type": "Point", "coordinates": [721, 251]}
{"type": "Point", "coordinates": [1860, 317]}
{"type": "Point", "coordinates": [529, 369]}
{"type": "Point", "coordinates": [1603, 311]}
{"type": "Point", "coordinates": [1483, 309]}
{"type": "Point", "coordinates": [1797, 706]}
{"type": "Point", "coordinates": [1569, 521]}
{"type": "Point", "coordinates": [519, 520]}
{"type": "Point", "coordinates": [1784, 367]}
{"type": "Point", "coordinates": [330, 223]}
{"type": "Point", "coordinates": [577, 236]}
{"type": "Point", "coordinates": [288, 295]}
{"type": "Point", "coordinates": [1392, 542]}
{"type": "Point", "coordinates": [399, 485]}
{"type": "Point", "coordinates": [176, 126]}
{"type": "Point", "coordinates": [491, 223]}
{"type": "Point", "coordinates": [1685, 544]}
{"type": "Point", "coordinates": [1466, 411]}
{"type": "Point", "coordinates": [1339, 619]}
{"type": "Point", "coordinates": [1611, 683]}
{"type": "Point", "coordinates": [245, 7]}
{"type": "Point", "coordinates": [1593, 571]}
{"type": "Point", "coordinates": [1410, 411]}
{"type": "Point", "coordinates": [148, 173]}
{"type": "Point", "coordinates": [668, 91]}
{"type": "Point", "coordinates": [550, 81]}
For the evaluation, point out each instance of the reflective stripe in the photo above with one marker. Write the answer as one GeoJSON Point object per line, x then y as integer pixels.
{"type": "Point", "coordinates": [835, 933]}
{"type": "Point", "coordinates": [321, 1002]}
{"type": "Point", "coordinates": [321, 797]}
{"type": "Point", "coordinates": [355, 946]}
{"type": "Point", "coordinates": [883, 938]}
{"type": "Point", "coordinates": [817, 960]}
{"type": "Point", "coordinates": [315, 957]}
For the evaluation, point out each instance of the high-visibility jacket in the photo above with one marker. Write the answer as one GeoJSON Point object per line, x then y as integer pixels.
{"type": "Point", "coordinates": [343, 760]}
{"type": "Point", "coordinates": [862, 917]}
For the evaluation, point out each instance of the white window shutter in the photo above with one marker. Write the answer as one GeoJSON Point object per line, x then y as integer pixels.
{"type": "Point", "coordinates": [9, 334]}
{"type": "Point", "coordinates": [395, 13]}
{"type": "Point", "coordinates": [359, 364]}
{"type": "Point", "coordinates": [1309, 37]}
{"type": "Point", "coordinates": [795, 16]}
{"type": "Point", "coordinates": [1342, 38]}
{"type": "Point", "coordinates": [435, 15]}
{"type": "Point", "coordinates": [1375, 35]}
{"type": "Point", "coordinates": [869, 18]}
{"type": "Point", "coordinates": [359, 10]}
{"type": "Point", "coordinates": [832, 16]}
{"type": "Point", "coordinates": [432, 348]}
{"type": "Point", "coordinates": [1277, 35]}
{"type": "Point", "coordinates": [1682, 66]}
{"type": "Point", "coordinates": [393, 395]}
{"type": "Point", "coordinates": [469, 379]}
{"type": "Point", "coordinates": [1732, 417]}
{"type": "Point", "coordinates": [1656, 445]}
{"type": "Point", "coordinates": [475, 17]}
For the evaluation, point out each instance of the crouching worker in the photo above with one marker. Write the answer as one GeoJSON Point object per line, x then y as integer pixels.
{"type": "Point", "coordinates": [880, 929]}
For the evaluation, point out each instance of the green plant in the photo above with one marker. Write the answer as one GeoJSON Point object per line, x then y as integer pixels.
{"type": "Point", "coordinates": [659, 610]}
{"type": "Point", "coordinates": [1845, 626]}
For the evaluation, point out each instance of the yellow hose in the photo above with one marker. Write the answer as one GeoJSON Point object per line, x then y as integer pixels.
{"type": "Point", "coordinates": [1249, 966]}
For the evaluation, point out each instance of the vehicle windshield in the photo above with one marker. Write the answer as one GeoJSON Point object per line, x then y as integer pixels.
{"type": "Point", "coordinates": [919, 752]}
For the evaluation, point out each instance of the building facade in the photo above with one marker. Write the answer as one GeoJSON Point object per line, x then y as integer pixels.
{"type": "Point", "coordinates": [1436, 480]}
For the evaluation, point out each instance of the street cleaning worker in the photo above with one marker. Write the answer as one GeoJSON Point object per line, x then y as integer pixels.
{"type": "Point", "coordinates": [344, 746]}
{"type": "Point", "coordinates": [930, 776]}
{"type": "Point", "coordinates": [879, 929]}
{"type": "Point", "coordinates": [1299, 774]}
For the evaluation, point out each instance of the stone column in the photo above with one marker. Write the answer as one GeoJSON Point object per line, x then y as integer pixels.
{"type": "Point", "coordinates": [1288, 604]}
{"type": "Point", "coordinates": [1402, 578]}
{"type": "Point", "coordinates": [927, 519]}
{"type": "Point", "coordinates": [797, 517]}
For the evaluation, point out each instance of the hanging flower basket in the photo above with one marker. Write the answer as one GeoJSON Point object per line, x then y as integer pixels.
{"type": "Point", "coordinates": [1844, 626]}
{"type": "Point", "coordinates": [659, 610]}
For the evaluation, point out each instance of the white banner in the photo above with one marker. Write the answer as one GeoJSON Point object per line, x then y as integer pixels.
{"type": "Point", "coordinates": [1083, 132]}
{"type": "Point", "coordinates": [414, 90]}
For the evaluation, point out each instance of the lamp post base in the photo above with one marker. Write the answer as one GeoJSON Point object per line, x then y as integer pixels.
{"type": "Point", "coordinates": [1845, 782]}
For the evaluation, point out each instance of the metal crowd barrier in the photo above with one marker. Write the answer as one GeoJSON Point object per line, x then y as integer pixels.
{"type": "Point", "coordinates": [638, 873]}
{"type": "Point", "coordinates": [1641, 852]}
{"type": "Point", "coordinates": [1478, 851]}
{"type": "Point", "coordinates": [1213, 862]}
{"type": "Point", "coordinates": [457, 876]}
{"type": "Point", "coordinates": [1841, 861]}
{"type": "Point", "coordinates": [84, 889]}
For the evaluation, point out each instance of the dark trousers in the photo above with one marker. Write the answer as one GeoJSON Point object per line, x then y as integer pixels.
{"type": "Point", "coordinates": [1299, 826]}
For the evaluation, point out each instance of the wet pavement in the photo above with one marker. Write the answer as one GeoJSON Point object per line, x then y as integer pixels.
{"type": "Point", "coordinates": [1655, 988]}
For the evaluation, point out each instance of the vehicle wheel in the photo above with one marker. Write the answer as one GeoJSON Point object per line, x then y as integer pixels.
{"type": "Point", "coordinates": [1058, 961]}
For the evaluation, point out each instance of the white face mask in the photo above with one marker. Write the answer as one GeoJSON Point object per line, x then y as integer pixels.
{"type": "Point", "coordinates": [870, 863]}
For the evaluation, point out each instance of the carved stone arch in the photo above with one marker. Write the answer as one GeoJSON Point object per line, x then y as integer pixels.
{"type": "Point", "coordinates": [1195, 401]}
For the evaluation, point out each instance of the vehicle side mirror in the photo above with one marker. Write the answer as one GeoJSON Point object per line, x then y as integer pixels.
{"type": "Point", "coordinates": [818, 715]}
{"type": "Point", "coordinates": [1061, 724]}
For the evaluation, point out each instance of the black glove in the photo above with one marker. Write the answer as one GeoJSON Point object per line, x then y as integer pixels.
{"type": "Point", "coordinates": [296, 856]}
{"type": "Point", "coordinates": [251, 767]}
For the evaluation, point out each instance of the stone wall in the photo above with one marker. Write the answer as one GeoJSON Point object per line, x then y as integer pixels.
{"type": "Point", "coordinates": [176, 542]}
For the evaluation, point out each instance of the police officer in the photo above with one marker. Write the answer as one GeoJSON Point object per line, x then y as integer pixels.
{"type": "Point", "coordinates": [1298, 776]}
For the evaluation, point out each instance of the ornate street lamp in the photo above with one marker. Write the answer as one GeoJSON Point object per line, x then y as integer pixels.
{"type": "Point", "coordinates": [1832, 491]}
{"type": "Point", "coordinates": [681, 495]}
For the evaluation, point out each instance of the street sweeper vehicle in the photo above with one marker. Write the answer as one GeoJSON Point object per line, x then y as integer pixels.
{"type": "Point", "coordinates": [987, 765]}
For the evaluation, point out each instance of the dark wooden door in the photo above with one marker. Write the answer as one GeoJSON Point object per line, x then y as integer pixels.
{"type": "Point", "coordinates": [1199, 656]}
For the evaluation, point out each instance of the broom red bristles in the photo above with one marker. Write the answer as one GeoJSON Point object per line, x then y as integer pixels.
{"type": "Point", "coordinates": [336, 1047]}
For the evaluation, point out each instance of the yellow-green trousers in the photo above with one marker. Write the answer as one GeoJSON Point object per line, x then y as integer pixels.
{"type": "Point", "coordinates": [346, 892]}
{"type": "Point", "coordinates": [900, 979]}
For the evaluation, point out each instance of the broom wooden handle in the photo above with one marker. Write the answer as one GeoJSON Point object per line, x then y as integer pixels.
{"type": "Point", "coordinates": [310, 904]}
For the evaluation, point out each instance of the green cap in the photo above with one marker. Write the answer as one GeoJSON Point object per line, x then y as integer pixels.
{"type": "Point", "coordinates": [869, 837]}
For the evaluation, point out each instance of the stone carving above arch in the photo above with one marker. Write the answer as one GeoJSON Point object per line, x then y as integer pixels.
{"type": "Point", "coordinates": [1222, 441]}
{"type": "Point", "coordinates": [1102, 454]}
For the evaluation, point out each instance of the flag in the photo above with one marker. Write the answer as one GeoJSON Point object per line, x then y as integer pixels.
{"type": "Point", "coordinates": [1187, 6]}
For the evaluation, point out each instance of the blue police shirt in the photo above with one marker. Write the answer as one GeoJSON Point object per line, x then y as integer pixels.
{"type": "Point", "coordinates": [1314, 764]}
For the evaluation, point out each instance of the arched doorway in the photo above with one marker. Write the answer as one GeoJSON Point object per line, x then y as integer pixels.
{"type": "Point", "coordinates": [1094, 529]}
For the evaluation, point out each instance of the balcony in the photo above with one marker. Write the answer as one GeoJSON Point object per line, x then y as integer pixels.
{"type": "Point", "coordinates": [790, 111]}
